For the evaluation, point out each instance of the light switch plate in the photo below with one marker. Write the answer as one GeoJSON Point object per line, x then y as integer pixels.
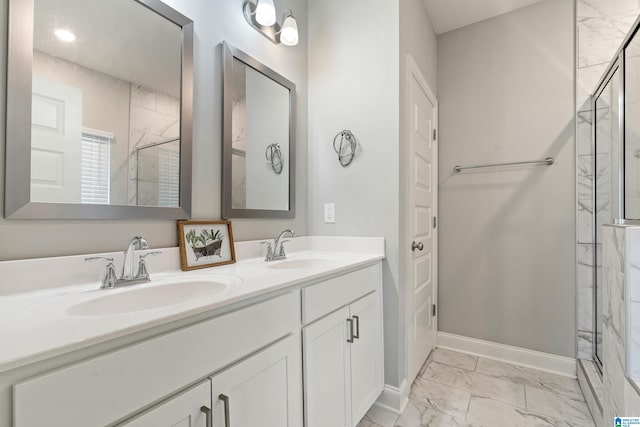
{"type": "Point", "coordinates": [329, 213]}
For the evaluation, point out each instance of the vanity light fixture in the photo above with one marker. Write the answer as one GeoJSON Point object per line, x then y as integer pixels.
{"type": "Point", "coordinates": [65, 35]}
{"type": "Point", "coordinates": [289, 31]}
{"type": "Point", "coordinates": [265, 13]}
{"type": "Point", "coordinates": [262, 17]}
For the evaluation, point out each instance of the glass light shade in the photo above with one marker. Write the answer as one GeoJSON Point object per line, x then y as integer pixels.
{"type": "Point", "coordinates": [266, 13]}
{"type": "Point", "coordinates": [289, 32]}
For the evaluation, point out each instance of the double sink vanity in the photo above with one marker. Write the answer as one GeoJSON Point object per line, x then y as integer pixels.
{"type": "Point", "coordinates": [291, 342]}
{"type": "Point", "coordinates": [102, 129]}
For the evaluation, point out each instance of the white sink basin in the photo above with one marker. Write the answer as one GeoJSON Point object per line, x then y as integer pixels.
{"type": "Point", "coordinates": [146, 297]}
{"type": "Point", "coordinates": [302, 263]}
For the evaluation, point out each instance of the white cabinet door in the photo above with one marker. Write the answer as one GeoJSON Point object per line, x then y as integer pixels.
{"type": "Point", "coordinates": [366, 355]}
{"type": "Point", "coordinates": [188, 409]}
{"type": "Point", "coordinates": [327, 371]}
{"type": "Point", "coordinates": [264, 390]}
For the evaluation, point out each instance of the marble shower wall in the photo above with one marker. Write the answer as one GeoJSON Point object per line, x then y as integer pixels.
{"type": "Point", "coordinates": [621, 274]}
{"type": "Point", "coordinates": [632, 296]}
{"type": "Point", "coordinates": [154, 117]}
{"type": "Point", "coordinates": [601, 28]}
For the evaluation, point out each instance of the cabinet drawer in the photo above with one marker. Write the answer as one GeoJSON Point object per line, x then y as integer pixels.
{"type": "Point", "coordinates": [107, 388]}
{"type": "Point", "coordinates": [327, 296]}
{"type": "Point", "coordinates": [184, 410]}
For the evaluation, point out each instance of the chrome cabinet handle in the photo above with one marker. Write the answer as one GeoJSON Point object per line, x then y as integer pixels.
{"type": "Point", "coordinates": [350, 323]}
{"type": "Point", "coordinates": [209, 414]}
{"type": "Point", "coordinates": [225, 400]}
{"type": "Point", "coordinates": [418, 246]}
{"type": "Point", "coordinates": [357, 322]}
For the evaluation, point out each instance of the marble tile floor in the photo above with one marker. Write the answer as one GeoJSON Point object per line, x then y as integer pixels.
{"type": "Point", "coordinates": [456, 389]}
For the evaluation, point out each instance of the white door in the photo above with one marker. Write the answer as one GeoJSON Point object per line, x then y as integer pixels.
{"type": "Point", "coordinates": [264, 390]}
{"type": "Point", "coordinates": [423, 204]}
{"type": "Point", "coordinates": [56, 132]}
{"type": "Point", "coordinates": [188, 409]}
{"type": "Point", "coordinates": [366, 355]}
{"type": "Point", "coordinates": [327, 371]}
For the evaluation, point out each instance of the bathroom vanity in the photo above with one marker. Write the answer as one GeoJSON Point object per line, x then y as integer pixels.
{"type": "Point", "coordinates": [289, 343]}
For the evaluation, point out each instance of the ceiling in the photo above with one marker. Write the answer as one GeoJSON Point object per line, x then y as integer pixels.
{"type": "Point", "coordinates": [447, 15]}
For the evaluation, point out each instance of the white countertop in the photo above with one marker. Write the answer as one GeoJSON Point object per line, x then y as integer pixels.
{"type": "Point", "coordinates": [39, 324]}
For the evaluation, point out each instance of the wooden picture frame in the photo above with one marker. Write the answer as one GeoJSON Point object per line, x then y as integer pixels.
{"type": "Point", "coordinates": [205, 244]}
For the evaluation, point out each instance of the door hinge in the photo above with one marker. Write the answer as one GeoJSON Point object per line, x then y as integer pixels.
{"type": "Point", "coordinates": [434, 310]}
{"type": "Point", "coordinates": [435, 222]}
{"type": "Point", "coordinates": [435, 134]}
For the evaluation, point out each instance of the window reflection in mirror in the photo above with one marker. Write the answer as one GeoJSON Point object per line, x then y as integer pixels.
{"type": "Point", "coordinates": [106, 104]}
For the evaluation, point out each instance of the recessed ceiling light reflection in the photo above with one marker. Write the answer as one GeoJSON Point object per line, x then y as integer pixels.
{"type": "Point", "coordinates": [65, 35]}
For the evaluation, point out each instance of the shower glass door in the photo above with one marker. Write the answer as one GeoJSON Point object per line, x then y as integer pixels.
{"type": "Point", "coordinates": [606, 184]}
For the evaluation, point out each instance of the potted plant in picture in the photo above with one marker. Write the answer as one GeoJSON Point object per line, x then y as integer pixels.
{"type": "Point", "coordinates": [215, 237]}
{"type": "Point", "coordinates": [207, 244]}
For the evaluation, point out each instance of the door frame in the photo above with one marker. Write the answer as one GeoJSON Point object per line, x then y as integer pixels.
{"type": "Point", "coordinates": [413, 71]}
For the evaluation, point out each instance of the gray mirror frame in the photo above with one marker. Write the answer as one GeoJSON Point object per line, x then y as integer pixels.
{"type": "Point", "coordinates": [229, 53]}
{"type": "Point", "coordinates": [18, 132]}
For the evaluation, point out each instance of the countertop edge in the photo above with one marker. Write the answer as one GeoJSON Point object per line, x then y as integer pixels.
{"type": "Point", "coordinates": [211, 309]}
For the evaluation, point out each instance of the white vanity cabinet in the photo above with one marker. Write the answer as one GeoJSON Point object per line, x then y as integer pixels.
{"type": "Point", "coordinates": [188, 409]}
{"type": "Point", "coordinates": [243, 362]}
{"type": "Point", "coordinates": [327, 368]}
{"type": "Point", "coordinates": [116, 386]}
{"type": "Point", "coordinates": [343, 351]}
{"type": "Point", "coordinates": [264, 390]}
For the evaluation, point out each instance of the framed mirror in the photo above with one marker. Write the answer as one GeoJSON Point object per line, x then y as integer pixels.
{"type": "Point", "coordinates": [99, 110]}
{"type": "Point", "coordinates": [258, 139]}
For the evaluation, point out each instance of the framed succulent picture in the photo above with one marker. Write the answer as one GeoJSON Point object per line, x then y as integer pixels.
{"type": "Point", "coordinates": [205, 244]}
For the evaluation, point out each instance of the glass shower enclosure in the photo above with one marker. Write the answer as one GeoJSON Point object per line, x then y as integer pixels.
{"type": "Point", "coordinates": [606, 137]}
{"type": "Point", "coordinates": [616, 161]}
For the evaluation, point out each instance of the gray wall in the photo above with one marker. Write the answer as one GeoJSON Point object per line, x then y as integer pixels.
{"type": "Point", "coordinates": [418, 38]}
{"type": "Point", "coordinates": [215, 21]}
{"type": "Point", "coordinates": [507, 237]}
{"type": "Point", "coordinates": [353, 84]}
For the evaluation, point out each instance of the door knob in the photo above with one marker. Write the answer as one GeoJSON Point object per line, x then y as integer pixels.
{"type": "Point", "coordinates": [418, 246]}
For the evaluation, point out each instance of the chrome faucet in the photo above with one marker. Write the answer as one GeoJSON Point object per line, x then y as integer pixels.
{"type": "Point", "coordinates": [127, 266]}
{"type": "Point", "coordinates": [111, 280]}
{"type": "Point", "coordinates": [276, 252]}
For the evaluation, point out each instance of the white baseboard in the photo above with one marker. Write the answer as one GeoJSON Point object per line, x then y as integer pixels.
{"type": "Point", "coordinates": [560, 365]}
{"type": "Point", "coordinates": [394, 399]}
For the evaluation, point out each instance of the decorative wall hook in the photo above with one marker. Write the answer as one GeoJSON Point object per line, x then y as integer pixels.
{"type": "Point", "coordinates": [345, 145]}
{"type": "Point", "coordinates": [273, 155]}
